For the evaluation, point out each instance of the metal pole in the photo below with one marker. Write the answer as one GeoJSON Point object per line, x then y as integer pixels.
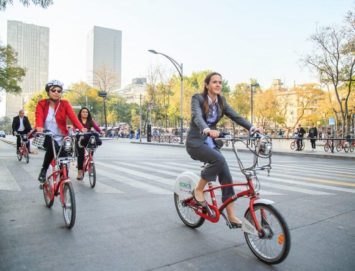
{"type": "Point", "coordinates": [181, 107]}
{"type": "Point", "coordinates": [251, 103]}
{"type": "Point", "coordinates": [140, 118]}
{"type": "Point", "coordinates": [105, 115]}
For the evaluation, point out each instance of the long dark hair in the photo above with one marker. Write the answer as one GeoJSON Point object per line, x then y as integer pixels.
{"type": "Point", "coordinates": [205, 93]}
{"type": "Point", "coordinates": [89, 122]}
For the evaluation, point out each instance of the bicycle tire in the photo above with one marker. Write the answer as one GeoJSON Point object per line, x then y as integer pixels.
{"type": "Point", "coordinates": [92, 174]}
{"type": "Point", "coordinates": [346, 147]}
{"type": "Point", "coordinates": [292, 145]}
{"type": "Point", "coordinates": [280, 240]}
{"type": "Point", "coordinates": [187, 214]}
{"type": "Point", "coordinates": [48, 192]}
{"type": "Point", "coordinates": [338, 147]}
{"type": "Point", "coordinates": [351, 148]}
{"type": "Point", "coordinates": [69, 205]}
{"type": "Point", "coordinates": [326, 147]}
{"type": "Point", "coordinates": [27, 157]}
{"type": "Point", "coordinates": [19, 156]}
{"type": "Point", "coordinates": [303, 146]}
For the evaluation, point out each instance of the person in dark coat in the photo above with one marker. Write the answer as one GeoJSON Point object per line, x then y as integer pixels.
{"type": "Point", "coordinates": [21, 126]}
{"type": "Point", "coordinates": [300, 133]}
{"type": "Point", "coordinates": [312, 134]}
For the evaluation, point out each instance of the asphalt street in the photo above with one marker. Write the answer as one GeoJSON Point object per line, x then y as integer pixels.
{"type": "Point", "coordinates": [128, 221]}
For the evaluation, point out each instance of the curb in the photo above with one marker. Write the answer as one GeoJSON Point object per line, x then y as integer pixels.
{"type": "Point", "coordinates": [297, 154]}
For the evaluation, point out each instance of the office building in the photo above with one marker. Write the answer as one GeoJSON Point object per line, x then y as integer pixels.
{"type": "Point", "coordinates": [104, 58]}
{"type": "Point", "coordinates": [31, 42]}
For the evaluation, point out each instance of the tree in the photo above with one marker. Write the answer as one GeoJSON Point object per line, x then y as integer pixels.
{"type": "Point", "coordinates": [42, 3]}
{"type": "Point", "coordinates": [30, 106]}
{"type": "Point", "coordinates": [10, 73]}
{"type": "Point", "coordinates": [105, 79]}
{"type": "Point", "coordinates": [333, 58]}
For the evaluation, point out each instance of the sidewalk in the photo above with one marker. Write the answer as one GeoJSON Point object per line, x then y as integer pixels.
{"type": "Point", "coordinates": [279, 147]}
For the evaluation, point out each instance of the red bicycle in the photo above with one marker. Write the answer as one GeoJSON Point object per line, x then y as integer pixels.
{"type": "Point", "coordinates": [265, 230]}
{"type": "Point", "coordinates": [23, 150]}
{"type": "Point", "coordinates": [90, 148]}
{"type": "Point", "coordinates": [57, 178]}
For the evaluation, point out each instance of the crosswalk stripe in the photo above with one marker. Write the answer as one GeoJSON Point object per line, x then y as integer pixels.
{"type": "Point", "coordinates": [131, 182]}
{"type": "Point", "coordinates": [7, 181]}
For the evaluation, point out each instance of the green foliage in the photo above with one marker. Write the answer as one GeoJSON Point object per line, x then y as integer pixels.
{"type": "Point", "coordinates": [6, 125]}
{"type": "Point", "coordinates": [42, 3]}
{"type": "Point", "coordinates": [10, 73]}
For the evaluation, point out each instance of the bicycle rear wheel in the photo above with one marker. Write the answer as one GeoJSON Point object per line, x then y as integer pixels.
{"type": "Point", "coordinates": [69, 205]}
{"type": "Point", "coordinates": [272, 245]}
{"type": "Point", "coordinates": [338, 147]}
{"type": "Point", "coordinates": [187, 214]}
{"type": "Point", "coordinates": [92, 174]}
{"type": "Point", "coordinates": [326, 147]}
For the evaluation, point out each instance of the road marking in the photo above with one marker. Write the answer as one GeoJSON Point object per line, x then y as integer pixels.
{"type": "Point", "coordinates": [7, 181]}
{"type": "Point", "coordinates": [132, 182]}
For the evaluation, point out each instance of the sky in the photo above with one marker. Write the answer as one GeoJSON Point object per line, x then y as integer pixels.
{"type": "Point", "coordinates": [261, 39]}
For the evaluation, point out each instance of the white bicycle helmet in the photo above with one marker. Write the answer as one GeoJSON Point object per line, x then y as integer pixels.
{"type": "Point", "coordinates": [54, 83]}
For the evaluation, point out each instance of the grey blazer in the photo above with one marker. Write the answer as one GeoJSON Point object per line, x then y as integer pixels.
{"type": "Point", "coordinates": [195, 136]}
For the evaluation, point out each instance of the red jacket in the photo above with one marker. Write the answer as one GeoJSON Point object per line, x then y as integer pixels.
{"type": "Point", "coordinates": [64, 110]}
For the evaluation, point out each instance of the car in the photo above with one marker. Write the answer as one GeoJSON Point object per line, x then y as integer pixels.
{"type": "Point", "coordinates": [2, 134]}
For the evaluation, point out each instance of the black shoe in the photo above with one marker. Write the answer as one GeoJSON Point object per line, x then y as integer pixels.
{"type": "Point", "coordinates": [42, 175]}
{"type": "Point", "coordinates": [235, 225]}
{"type": "Point", "coordinates": [199, 203]}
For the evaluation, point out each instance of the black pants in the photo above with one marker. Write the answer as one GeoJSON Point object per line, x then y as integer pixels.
{"type": "Point", "coordinates": [299, 143]}
{"type": "Point", "coordinates": [313, 143]}
{"type": "Point", "coordinates": [49, 155]}
{"type": "Point", "coordinates": [217, 166]}
{"type": "Point", "coordinates": [18, 140]}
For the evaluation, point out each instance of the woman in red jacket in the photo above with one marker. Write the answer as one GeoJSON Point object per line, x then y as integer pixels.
{"type": "Point", "coordinates": [51, 114]}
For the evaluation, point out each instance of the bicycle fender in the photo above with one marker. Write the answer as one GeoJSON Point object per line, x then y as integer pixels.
{"type": "Point", "coordinates": [264, 201]}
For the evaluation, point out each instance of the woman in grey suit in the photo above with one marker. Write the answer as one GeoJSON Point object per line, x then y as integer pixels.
{"type": "Point", "coordinates": [207, 109]}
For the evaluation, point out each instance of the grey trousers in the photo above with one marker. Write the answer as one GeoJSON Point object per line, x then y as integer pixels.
{"type": "Point", "coordinates": [217, 166]}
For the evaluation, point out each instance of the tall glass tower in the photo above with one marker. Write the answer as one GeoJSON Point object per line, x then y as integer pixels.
{"type": "Point", "coordinates": [104, 58]}
{"type": "Point", "coordinates": [31, 42]}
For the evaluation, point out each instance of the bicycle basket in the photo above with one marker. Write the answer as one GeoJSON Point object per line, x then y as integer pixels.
{"type": "Point", "coordinates": [38, 141]}
{"type": "Point", "coordinates": [185, 184]}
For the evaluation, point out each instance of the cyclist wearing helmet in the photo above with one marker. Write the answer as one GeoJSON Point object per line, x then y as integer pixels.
{"type": "Point", "coordinates": [207, 109]}
{"type": "Point", "coordinates": [51, 114]}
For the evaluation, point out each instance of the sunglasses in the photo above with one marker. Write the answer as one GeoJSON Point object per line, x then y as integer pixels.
{"type": "Point", "coordinates": [56, 90]}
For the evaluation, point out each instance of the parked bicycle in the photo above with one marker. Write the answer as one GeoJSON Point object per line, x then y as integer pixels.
{"type": "Point", "coordinates": [23, 150]}
{"type": "Point", "coordinates": [265, 230]}
{"type": "Point", "coordinates": [343, 145]}
{"type": "Point", "coordinates": [293, 145]}
{"type": "Point", "coordinates": [57, 179]}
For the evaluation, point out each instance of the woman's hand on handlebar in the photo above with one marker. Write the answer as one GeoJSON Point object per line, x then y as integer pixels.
{"type": "Point", "coordinates": [84, 130]}
{"type": "Point", "coordinates": [39, 129]}
{"type": "Point", "coordinates": [213, 133]}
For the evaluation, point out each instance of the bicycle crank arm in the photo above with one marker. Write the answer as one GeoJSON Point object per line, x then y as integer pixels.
{"type": "Point", "coordinates": [249, 228]}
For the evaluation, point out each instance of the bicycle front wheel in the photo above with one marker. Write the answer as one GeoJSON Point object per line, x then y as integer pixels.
{"type": "Point", "coordinates": [273, 243]}
{"type": "Point", "coordinates": [27, 157]}
{"type": "Point", "coordinates": [326, 147]}
{"type": "Point", "coordinates": [69, 205]}
{"type": "Point", "coordinates": [19, 156]}
{"type": "Point", "coordinates": [92, 174]}
{"type": "Point", "coordinates": [187, 214]}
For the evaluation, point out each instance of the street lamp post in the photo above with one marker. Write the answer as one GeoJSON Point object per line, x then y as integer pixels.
{"type": "Point", "coordinates": [103, 94]}
{"type": "Point", "coordinates": [252, 87]}
{"type": "Point", "coordinates": [179, 68]}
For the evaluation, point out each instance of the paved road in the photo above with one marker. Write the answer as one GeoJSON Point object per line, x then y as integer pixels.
{"type": "Point", "coordinates": [128, 222]}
